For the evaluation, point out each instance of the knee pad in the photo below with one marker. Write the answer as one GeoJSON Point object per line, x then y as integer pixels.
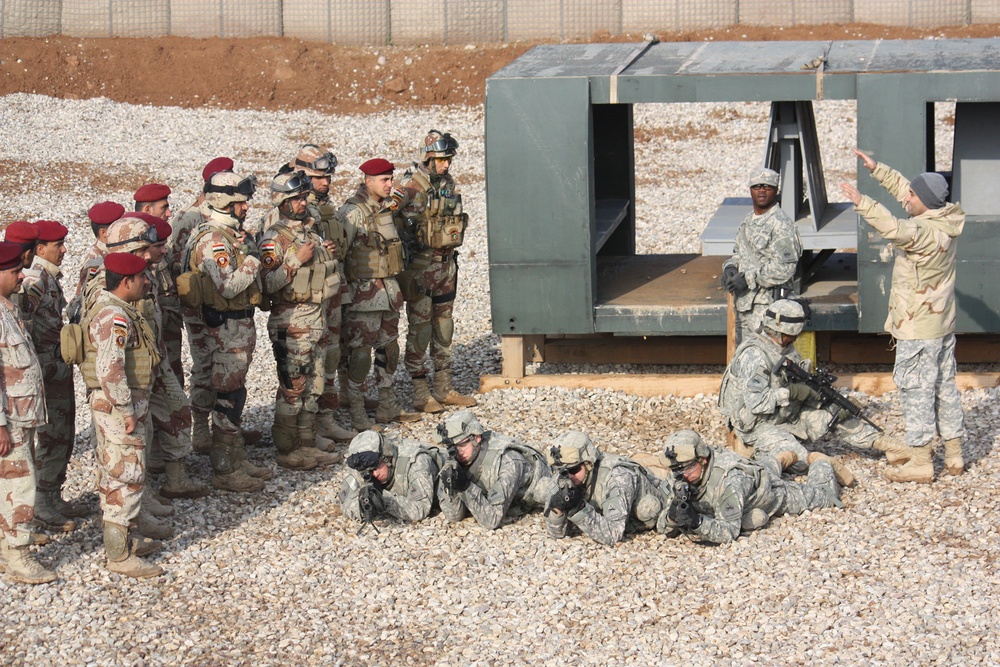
{"type": "Point", "coordinates": [231, 403]}
{"type": "Point", "coordinates": [331, 359]}
{"type": "Point", "coordinates": [421, 336]}
{"type": "Point", "coordinates": [391, 356]}
{"type": "Point", "coordinates": [443, 331]}
{"type": "Point", "coordinates": [359, 362]}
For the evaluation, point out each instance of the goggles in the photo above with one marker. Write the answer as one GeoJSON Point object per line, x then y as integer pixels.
{"type": "Point", "coordinates": [246, 187]}
{"type": "Point", "coordinates": [299, 182]}
{"type": "Point", "coordinates": [445, 144]}
{"type": "Point", "coordinates": [149, 236]}
{"type": "Point", "coordinates": [325, 163]}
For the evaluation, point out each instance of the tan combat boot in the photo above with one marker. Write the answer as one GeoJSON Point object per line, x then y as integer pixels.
{"type": "Point", "coordinates": [227, 469]}
{"type": "Point", "coordinates": [786, 459]}
{"type": "Point", "coordinates": [240, 461]}
{"type": "Point", "coordinates": [919, 468]}
{"type": "Point", "coordinates": [422, 399]}
{"type": "Point", "coordinates": [359, 418]}
{"type": "Point", "coordinates": [179, 485]}
{"type": "Point", "coordinates": [286, 439]}
{"type": "Point", "coordinates": [21, 566]}
{"type": "Point", "coordinates": [953, 461]}
{"type": "Point", "coordinates": [201, 432]}
{"type": "Point", "coordinates": [896, 453]}
{"type": "Point", "coordinates": [149, 526]}
{"type": "Point", "coordinates": [47, 516]}
{"type": "Point", "coordinates": [388, 409]}
{"type": "Point", "coordinates": [150, 505]}
{"type": "Point", "coordinates": [121, 556]}
{"type": "Point", "coordinates": [307, 441]}
{"type": "Point", "coordinates": [844, 476]}
{"type": "Point", "coordinates": [327, 426]}
{"type": "Point", "coordinates": [446, 394]}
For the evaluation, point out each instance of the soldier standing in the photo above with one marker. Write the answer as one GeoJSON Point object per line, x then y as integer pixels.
{"type": "Point", "coordinates": [42, 302]}
{"type": "Point", "coordinates": [102, 216]}
{"type": "Point", "coordinates": [225, 261]}
{"type": "Point", "coordinates": [601, 494]}
{"type": "Point", "coordinates": [374, 258]}
{"type": "Point", "coordinates": [921, 316]}
{"type": "Point", "coordinates": [22, 410]}
{"type": "Point", "coordinates": [487, 472]}
{"type": "Point", "coordinates": [434, 220]}
{"type": "Point", "coordinates": [25, 235]}
{"type": "Point", "coordinates": [765, 254]}
{"type": "Point", "coordinates": [119, 362]}
{"type": "Point", "coordinates": [300, 275]}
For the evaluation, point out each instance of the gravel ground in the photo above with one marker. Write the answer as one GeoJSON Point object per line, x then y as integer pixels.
{"type": "Point", "coordinates": [904, 575]}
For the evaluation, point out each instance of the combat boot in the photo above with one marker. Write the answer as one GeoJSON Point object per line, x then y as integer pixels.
{"type": "Point", "coordinates": [953, 461]}
{"type": "Point", "coordinates": [239, 454]}
{"type": "Point", "coordinates": [150, 504]}
{"type": "Point", "coordinates": [68, 509]}
{"type": "Point", "coordinates": [149, 526]}
{"type": "Point", "coordinates": [154, 457]}
{"type": "Point", "coordinates": [227, 467]}
{"type": "Point", "coordinates": [237, 482]}
{"type": "Point", "coordinates": [388, 409]}
{"type": "Point", "coordinates": [446, 394]}
{"type": "Point", "coordinates": [285, 431]}
{"type": "Point", "coordinates": [47, 516]}
{"type": "Point", "coordinates": [144, 546]}
{"type": "Point", "coordinates": [307, 441]}
{"type": "Point", "coordinates": [422, 399]}
{"type": "Point", "coordinates": [21, 566]}
{"type": "Point", "coordinates": [896, 453]}
{"type": "Point", "coordinates": [844, 476]}
{"type": "Point", "coordinates": [201, 432]}
{"type": "Point", "coordinates": [252, 437]}
{"type": "Point", "coordinates": [296, 460]}
{"type": "Point", "coordinates": [786, 459]}
{"type": "Point", "coordinates": [919, 468]}
{"type": "Point", "coordinates": [179, 485]}
{"type": "Point", "coordinates": [359, 418]}
{"type": "Point", "coordinates": [327, 426]}
{"type": "Point", "coordinates": [122, 558]}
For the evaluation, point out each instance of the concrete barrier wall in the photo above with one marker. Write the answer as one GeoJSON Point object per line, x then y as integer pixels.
{"type": "Point", "coordinates": [359, 22]}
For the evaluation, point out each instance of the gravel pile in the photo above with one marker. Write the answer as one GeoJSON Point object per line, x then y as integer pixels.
{"type": "Point", "coordinates": [904, 575]}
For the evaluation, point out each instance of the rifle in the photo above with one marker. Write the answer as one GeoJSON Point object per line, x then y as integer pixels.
{"type": "Point", "coordinates": [822, 383]}
{"type": "Point", "coordinates": [565, 486]}
{"type": "Point", "coordinates": [451, 473]}
{"type": "Point", "coordinates": [370, 503]}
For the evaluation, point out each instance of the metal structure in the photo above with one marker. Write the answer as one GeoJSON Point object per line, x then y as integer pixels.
{"type": "Point", "coordinates": [562, 234]}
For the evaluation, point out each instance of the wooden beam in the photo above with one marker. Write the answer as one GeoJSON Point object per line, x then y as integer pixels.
{"type": "Point", "coordinates": [512, 356]}
{"type": "Point", "coordinates": [667, 350]}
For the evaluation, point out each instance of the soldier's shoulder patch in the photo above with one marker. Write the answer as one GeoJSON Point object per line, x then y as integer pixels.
{"type": "Point", "coordinates": [34, 288]}
{"type": "Point", "coordinates": [92, 271]}
{"type": "Point", "coordinates": [119, 329]}
{"type": "Point", "coordinates": [222, 260]}
{"type": "Point", "coordinates": [267, 245]}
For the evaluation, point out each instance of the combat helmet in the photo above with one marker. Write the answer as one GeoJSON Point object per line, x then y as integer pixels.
{"type": "Point", "coordinates": [571, 450]}
{"type": "Point", "coordinates": [289, 185]}
{"type": "Point", "coordinates": [369, 448]}
{"type": "Point", "coordinates": [133, 231]}
{"type": "Point", "coordinates": [313, 160]}
{"type": "Point", "coordinates": [224, 188]}
{"type": "Point", "coordinates": [683, 447]}
{"type": "Point", "coordinates": [786, 316]}
{"type": "Point", "coordinates": [436, 144]}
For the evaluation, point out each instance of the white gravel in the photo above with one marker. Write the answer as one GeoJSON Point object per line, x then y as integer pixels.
{"type": "Point", "coordinates": [904, 575]}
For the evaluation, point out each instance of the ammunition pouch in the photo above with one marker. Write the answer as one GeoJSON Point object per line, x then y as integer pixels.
{"type": "Point", "coordinates": [71, 343]}
{"type": "Point", "coordinates": [189, 289]}
{"type": "Point", "coordinates": [411, 284]}
{"type": "Point", "coordinates": [444, 231]}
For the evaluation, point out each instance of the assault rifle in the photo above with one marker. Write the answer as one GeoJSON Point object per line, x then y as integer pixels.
{"type": "Point", "coordinates": [370, 502]}
{"type": "Point", "coordinates": [822, 383]}
{"type": "Point", "coordinates": [454, 477]}
{"type": "Point", "coordinates": [567, 490]}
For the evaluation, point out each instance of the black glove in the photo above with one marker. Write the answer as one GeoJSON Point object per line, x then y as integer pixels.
{"type": "Point", "coordinates": [683, 515]}
{"type": "Point", "coordinates": [362, 461]}
{"type": "Point", "coordinates": [568, 499]}
{"type": "Point", "coordinates": [455, 478]}
{"type": "Point", "coordinates": [728, 274]}
{"type": "Point", "coordinates": [737, 284]}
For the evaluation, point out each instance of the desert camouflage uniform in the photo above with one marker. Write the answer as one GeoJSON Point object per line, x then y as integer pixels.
{"type": "Point", "coordinates": [767, 251]}
{"type": "Point", "coordinates": [922, 310]}
{"type": "Point", "coordinates": [372, 318]}
{"type": "Point", "coordinates": [757, 406]}
{"type": "Point", "coordinates": [504, 472]}
{"type": "Point", "coordinates": [229, 338]}
{"type": "Point", "coordinates": [115, 329]}
{"type": "Point", "coordinates": [93, 264]}
{"type": "Point", "coordinates": [173, 319]}
{"type": "Point", "coordinates": [202, 393]}
{"type": "Point", "coordinates": [737, 495]}
{"type": "Point", "coordinates": [410, 493]}
{"type": "Point", "coordinates": [622, 496]}
{"type": "Point", "coordinates": [295, 327]}
{"type": "Point", "coordinates": [42, 302]}
{"type": "Point", "coordinates": [22, 411]}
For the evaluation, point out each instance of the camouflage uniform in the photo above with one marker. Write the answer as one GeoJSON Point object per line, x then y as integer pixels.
{"type": "Point", "coordinates": [922, 310]}
{"type": "Point", "coordinates": [22, 411]}
{"type": "Point", "coordinates": [173, 319]}
{"type": "Point", "coordinates": [409, 495]}
{"type": "Point", "coordinates": [93, 264]}
{"type": "Point", "coordinates": [202, 393]}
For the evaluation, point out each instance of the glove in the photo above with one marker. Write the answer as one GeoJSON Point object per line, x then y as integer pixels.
{"type": "Point", "coordinates": [363, 461]}
{"type": "Point", "coordinates": [455, 478]}
{"type": "Point", "coordinates": [728, 274]}
{"type": "Point", "coordinates": [738, 284]}
{"type": "Point", "coordinates": [801, 392]}
{"type": "Point", "coordinates": [683, 515]}
{"type": "Point", "coordinates": [568, 499]}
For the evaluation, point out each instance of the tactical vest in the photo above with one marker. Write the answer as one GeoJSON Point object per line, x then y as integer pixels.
{"type": "Point", "coordinates": [406, 455]}
{"type": "Point", "coordinates": [196, 288]}
{"type": "Point", "coordinates": [139, 361]}
{"type": "Point", "coordinates": [316, 280]}
{"type": "Point", "coordinates": [650, 499]}
{"type": "Point", "coordinates": [443, 223]}
{"type": "Point", "coordinates": [486, 469]}
{"type": "Point", "coordinates": [758, 508]}
{"type": "Point", "coordinates": [382, 255]}
{"type": "Point", "coordinates": [329, 225]}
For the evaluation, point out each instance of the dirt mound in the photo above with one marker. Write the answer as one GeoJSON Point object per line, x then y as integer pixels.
{"type": "Point", "coordinates": [270, 73]}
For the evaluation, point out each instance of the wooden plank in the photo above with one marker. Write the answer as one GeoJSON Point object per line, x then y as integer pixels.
{"type": "Point", "coordinates": [668, 350]}
{"type": "Point", "coordinates": [512, 356]}
{"type": "Point", "coordinates": [731, 333]}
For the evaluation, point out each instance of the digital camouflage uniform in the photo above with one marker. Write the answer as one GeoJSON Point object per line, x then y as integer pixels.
{"type": "Point", "coordinates": [921, 315]}
{"type": "Point", "coordinates": [766, 251]}
{"type": "Point", "coordinates": [504, 472]}
{"type": "Point", "coordinates": [409, 495]}
{"type": "Point", "coordinates": [22, 411]}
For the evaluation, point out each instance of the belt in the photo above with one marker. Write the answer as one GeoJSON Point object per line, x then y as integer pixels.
{"type": "Point", "coordinates": [246, 313]}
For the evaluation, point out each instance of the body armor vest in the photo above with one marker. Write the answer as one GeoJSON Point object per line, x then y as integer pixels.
{"type": "Point", "coordinates": [486, 468]}
{"type": "Point", "coordinates": [442, 224]}
{"type": "Point", "coordinates": [650, 499]}
{"type": "Point", "coordinates": [763, 498]}
{"type": "Point", "coordinates": [208, 294]}
{"type": "Point", "coordinates": [406, 455]}
{"type": "Point", "coordinates": [381, 256]}
{"type": "Point", "coordinates": [139, 361]}
{"type": "Point", "coordinates": [316, 280]}
{"type": "Point", "coordinates": [329, 225]}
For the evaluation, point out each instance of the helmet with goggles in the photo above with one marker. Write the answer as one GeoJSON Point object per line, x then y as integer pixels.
{"type": "Point", "coordinates": [786, 316]}
{"type": "Point", "coordinates": [225, 188]}
{"type": "Point", "coordinates": [133, 231]}
{"type": "Point", "coordinates": [314, 161]}
{"type": "Point", "coordinates": [289, 185]}
{"type": "Point", "coordinates": [459, 426]}
{"type": "Point", "coordinates": [436, 144]}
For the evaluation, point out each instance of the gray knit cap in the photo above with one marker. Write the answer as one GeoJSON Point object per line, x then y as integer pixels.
{"type": "Point", "coordinates": [931, 188]}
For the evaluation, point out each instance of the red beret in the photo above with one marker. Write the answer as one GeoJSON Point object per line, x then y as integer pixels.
{"type": "Point", "coordinates": [163, 230]}
{"type": "Point", "coordinates": [145, 217]}
{"type": "Point", "coordinates": [10, 255]}
{"type": "Point", "coordinates": [377, 167]}
{"type": "Point", "coordinates": [21, 232]}
{"type": "Point", "coordinates": [105, 213]}
{"type": "Point", "coordinates": [50, 230]}
{"type": "Point", "coordinates": [215, 166]}
{"type": "Point", "coordinates": [124, 263]}
{"type": "Point", "coordinates": [151, 192]}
